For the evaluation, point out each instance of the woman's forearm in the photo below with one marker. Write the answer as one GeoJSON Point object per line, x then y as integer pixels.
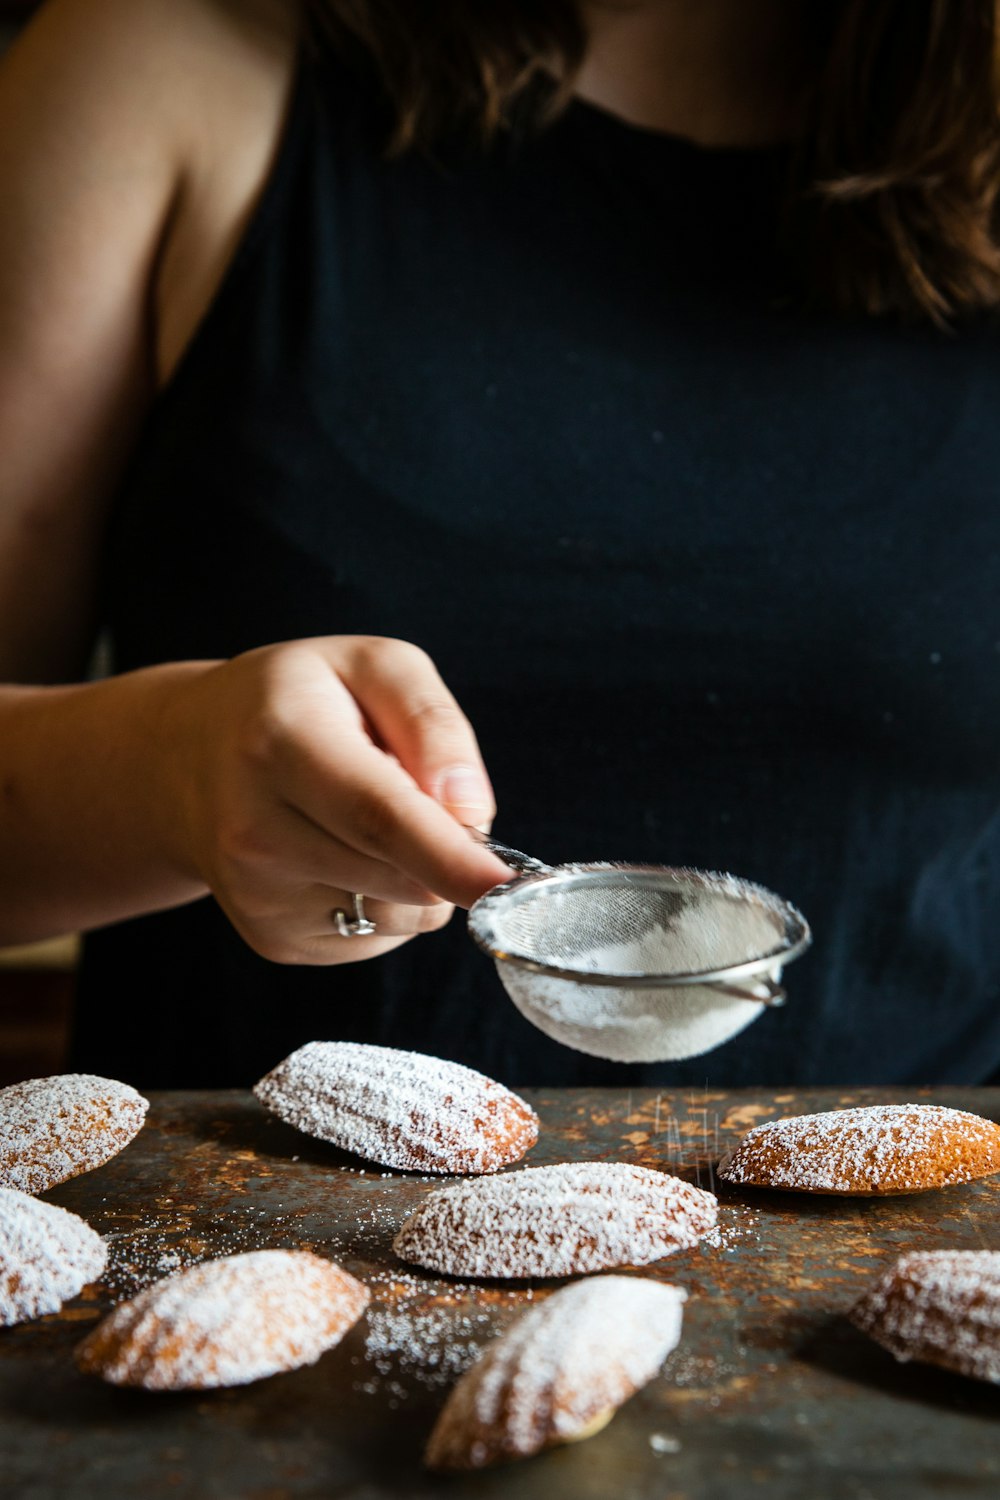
{"type": "Point", "coordinates": [88, 828]}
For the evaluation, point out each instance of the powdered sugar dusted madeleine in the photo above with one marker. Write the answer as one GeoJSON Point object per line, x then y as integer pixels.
{"type": "Point", "coordinates": [939, 1306]}
{"type": "Point", "coordinates": [882, 1149]}
{"type": "Point", "coordinates": [47, 1255]}
{"type": "Point", "coordinates": [226, 1322]}
{"type": "Point", "coordinates": [55, 1128]}
{"type": "Point", "coordinates": [560, 1373]}
{"type": "Point", "coordinates": [556, 1221]}
{"type": "Point", "coordinates": [400, 1109]}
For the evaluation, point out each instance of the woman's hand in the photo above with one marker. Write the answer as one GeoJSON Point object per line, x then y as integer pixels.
{"type": "Point", "coordinates": [305, 772]}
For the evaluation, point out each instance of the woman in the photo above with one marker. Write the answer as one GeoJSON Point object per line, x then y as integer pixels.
{"type": "Point", "coordinates": [632, 366]}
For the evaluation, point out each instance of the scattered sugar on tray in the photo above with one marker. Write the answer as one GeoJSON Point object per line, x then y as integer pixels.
{"type": "Point", "coordinates": [401, 1109]}
{"type": "Point", "coordinates": [434, 1344]}
{"type": "Point", "coordinates": [736, 1224]}
{"type": "Point", "coordinates": [141, 1255]}
{"type": "Point", "coordinates": [699, 1372]}
{"type": "Point", "coordinates": [887, 1146]}
{"type": "Point", "coordinates": [428, 1330]}
{"type": "Point", "coordinates": [47, 1255]}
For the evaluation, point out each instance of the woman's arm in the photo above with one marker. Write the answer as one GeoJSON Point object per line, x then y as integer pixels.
{"type": "Point", "coordinates": [89, 169]}
{"type": "Point", "coordinates": [282, 779]}
{"type": "Point", "coordinates": [279, 781]}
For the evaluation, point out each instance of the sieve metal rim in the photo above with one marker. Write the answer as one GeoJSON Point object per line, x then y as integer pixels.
{"type": "Point", "coordinates": [798, 936]}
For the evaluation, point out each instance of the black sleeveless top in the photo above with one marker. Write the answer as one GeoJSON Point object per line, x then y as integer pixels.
{"type": "Point", "coordinates": [716, 582]}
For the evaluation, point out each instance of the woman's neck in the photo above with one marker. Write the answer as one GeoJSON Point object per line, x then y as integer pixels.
{"type": "Point", "coordinates": [720, 72]}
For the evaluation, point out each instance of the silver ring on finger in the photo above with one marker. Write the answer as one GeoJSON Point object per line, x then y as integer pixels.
{"type": "Point", "coordinates": [357, 926]}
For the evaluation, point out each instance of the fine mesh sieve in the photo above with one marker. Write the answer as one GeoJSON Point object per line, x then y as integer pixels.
{"type": "Point", "coordinates": [638, 963]}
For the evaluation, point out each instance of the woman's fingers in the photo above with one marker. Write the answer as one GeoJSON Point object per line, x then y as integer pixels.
{"type": "Point", "coordinates": [388, 918]}
{"type": "Point", "coordinates": [275, 882]}
{"type": "Point", "coordinates": [302, 927]}
{"type": "Point", "coordinates": [419, 722]}
{"type": "Point", "coordinates": [283, 839]}
{"type": "Point", "coordinates": [382, 814]}
{"type": "Point", "coordinates": [301, 772]}
{"type": "Point", "coordinates": [367, 797]}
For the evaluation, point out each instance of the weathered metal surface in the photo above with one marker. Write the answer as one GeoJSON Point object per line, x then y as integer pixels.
{"type": "Point", "coordinates": [771, 1392]}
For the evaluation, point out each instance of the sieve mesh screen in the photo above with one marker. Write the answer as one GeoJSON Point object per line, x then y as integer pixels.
{"type": "Point", "coordinates": [619, 922]}
{"type": "Point", "coordinates": [638, 963]}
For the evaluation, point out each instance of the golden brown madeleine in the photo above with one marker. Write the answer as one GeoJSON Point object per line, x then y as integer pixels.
{"type": "Point", "coordinates": [882, 1149]}
{"type": "Point", "coordinates": [47, 1255]}
{"type": "Point", "coordinates": [560, 1373]}
{"type": "Point", "coordinates": [400, 1109]}
{"type": "Point", "coordinates": [55, 1128]}
{"type": "Point", "coordinates": [555, 1221]}
{"type": "Point", "coordinates": [941, 1307]}
{"type": "Point", "coordinates": [226, 1322]}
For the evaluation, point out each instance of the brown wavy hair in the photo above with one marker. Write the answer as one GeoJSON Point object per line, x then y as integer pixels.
{"type": "Point", "coordinates": [892, 200]}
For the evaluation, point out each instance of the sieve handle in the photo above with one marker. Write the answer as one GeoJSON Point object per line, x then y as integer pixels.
{"type": "Point", "coordinates": [524, 864]}
{"type": "Point", "coordinates": [765, 992]}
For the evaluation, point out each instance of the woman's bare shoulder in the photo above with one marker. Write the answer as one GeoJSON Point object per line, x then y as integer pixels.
{"type": "Point", "coordinates": [103, 53]}
{"type": "Point", "coordinates": [134, 137]}
{"type": "Point", "coordinates": [240, 83]}
{"type": "Point", "coordinates": [154, 121]}
{"type": "Point", "coordinates": [120, 114]}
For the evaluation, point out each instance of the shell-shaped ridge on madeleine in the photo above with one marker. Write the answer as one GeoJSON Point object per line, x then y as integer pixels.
{"type": "Point", "coordinates": [47, 1256]}
{"type": "Point", "coordinates": [938, 1306]}
{"type": "Point", "coordinates": [555, 1221]}
{"type": "Point", "coordinates": [226, 1322]}
{"type": "Point", "coordinates": [559, 1372]}
{"type": "Point", "coordinates": [54, 1128]}
{"type": "Point", "coordinates": [404, 1110]}
{"type": "Point", "coordinates": [876, 1149]}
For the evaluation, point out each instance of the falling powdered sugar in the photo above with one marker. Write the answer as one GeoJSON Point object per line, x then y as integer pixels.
{"type": "Point", "coordinates": [939, 1306]}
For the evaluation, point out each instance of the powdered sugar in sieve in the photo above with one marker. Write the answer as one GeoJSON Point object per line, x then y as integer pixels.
{"type": "Point", "coordinates": [638, 963]}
